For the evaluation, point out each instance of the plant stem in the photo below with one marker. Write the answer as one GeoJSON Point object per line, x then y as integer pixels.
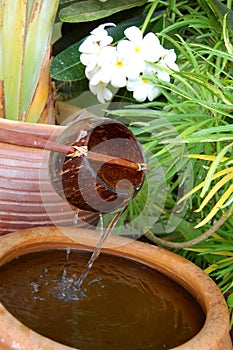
{"type": "Point", "coordinates": [192, 242]}
{"type": "Point", "coordinates": [149, 15]}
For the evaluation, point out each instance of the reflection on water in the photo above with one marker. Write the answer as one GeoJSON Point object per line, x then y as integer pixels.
{"type": "Point", "coordinates": [121, 304]}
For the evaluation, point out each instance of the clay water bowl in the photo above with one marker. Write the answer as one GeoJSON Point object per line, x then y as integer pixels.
{"type": "Point", "coordinates": [213, 333]}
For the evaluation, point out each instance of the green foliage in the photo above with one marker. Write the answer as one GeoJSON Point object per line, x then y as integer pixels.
{"type": "Point", "coordinates": [222, 11]}
{"type": "Point", "coordinates": [186, 133]}
{"type": "Point", "coordinates": [66, 66]}
{"type": "Point", "coordinates": [90, 10]}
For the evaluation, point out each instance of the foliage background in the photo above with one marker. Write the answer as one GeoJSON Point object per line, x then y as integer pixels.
{"type": "Point", "coordinates": [186, 132]}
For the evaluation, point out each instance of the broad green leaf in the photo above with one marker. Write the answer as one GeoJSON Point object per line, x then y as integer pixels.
{"type": "Point", "coordinates": [221, 10]}
{"type": "Point", "coordinates": [25, 33]}
{"type": "Point", "coordinates": [62, 2]}
{"type": "Point", "coordinates": [90, 10]}
{"type": "Point", "coordinates": [12, 31]}
{"type": "Point", "coordinates": [69, 90]}
{"type": "Point", "coordinates": [66, 66]}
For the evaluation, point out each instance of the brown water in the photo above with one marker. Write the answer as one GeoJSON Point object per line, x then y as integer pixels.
{"type": "Point", "coordinates": [122, 304]}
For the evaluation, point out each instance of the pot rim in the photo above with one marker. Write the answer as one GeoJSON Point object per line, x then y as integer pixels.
{"type": "Point", "coordinates": [214, 334]}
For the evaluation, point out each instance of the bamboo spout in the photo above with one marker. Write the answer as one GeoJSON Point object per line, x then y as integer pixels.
{"type": "Point", "coordinates": [27, 140]}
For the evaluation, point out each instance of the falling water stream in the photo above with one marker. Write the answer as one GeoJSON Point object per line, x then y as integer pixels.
{"type": "Point", "coordinates": [97, 250]}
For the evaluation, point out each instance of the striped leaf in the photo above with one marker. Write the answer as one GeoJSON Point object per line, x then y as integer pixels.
{"type": "Point", "coordinates": [25, 35]}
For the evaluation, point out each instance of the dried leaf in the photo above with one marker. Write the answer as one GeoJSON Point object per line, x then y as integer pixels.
{"type": "Point", "coordinates": [42, 91]}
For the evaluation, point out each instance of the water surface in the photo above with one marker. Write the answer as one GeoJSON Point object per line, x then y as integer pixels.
{"type": "Point", "coordinates": [122, 304]}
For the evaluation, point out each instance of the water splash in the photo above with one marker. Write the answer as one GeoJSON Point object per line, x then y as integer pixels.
{"type": "Point", "coordinates": [70, 288]}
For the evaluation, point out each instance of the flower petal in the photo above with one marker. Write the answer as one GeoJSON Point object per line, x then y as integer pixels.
{"type": "Point", "coordinates": [126, 48]}
{"type": "Point", "coordinates": [153, 93]}
{"type": "Point", "coordinates": [118, 80]}
{"type": "Point", "coordinates": [152, 49]}
{"type": "Point", "coordinates": [133, 84]}
{"type": "Point", "coordinates": [141, 93]}
{"type": "Point", "coordinates": [134, 34]}
{"type": "Point", "coordinates": [101, 27]}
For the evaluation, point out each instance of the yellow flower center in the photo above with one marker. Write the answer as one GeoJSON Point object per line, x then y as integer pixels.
{"type": "Point", "coordinates": [119, 63]}
{"type": "Point", "coordinates": [137, 49]}
{"type": "Point", "coordinates": [144, 81]}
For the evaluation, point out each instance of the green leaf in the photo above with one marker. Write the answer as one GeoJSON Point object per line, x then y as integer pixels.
{"type": "Point", "coordinates": [62, 2]}
{"type": "Point", "coordinates": [66, 66]}
{"type": "Point", "coordinates": [186, 228]}
{"type": "Point", "coordinates": [221, 10]}
{"type": "Point", "coordinates": [230, 300]}
{"type": "Point", "coordinates": [90, 10]}
{"type": "Point", "coordinates": [27, 26]}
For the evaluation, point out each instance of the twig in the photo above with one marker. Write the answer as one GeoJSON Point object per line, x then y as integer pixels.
{"type": "Point", "coordinates": [192, 242]}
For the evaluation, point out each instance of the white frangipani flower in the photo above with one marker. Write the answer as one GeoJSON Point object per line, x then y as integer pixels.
{"type": "Point", "coordinates": [143, 88]}
{"type": "Point", "coordinates": [142, 49]}
{"type": "Point", "coordinates": [135, 65]}
{"type": "Point", "coordinates": [100, 32]}
{"type": "Point", "coordinates": [167, 62]}
{"type": "Point", "coordinates": [132, 63]}
{"type": "Point", "coordinates": [101, 91]}
{"type": "Point", "coordinates": [114, 68]}
{"type": "Point", "coordinates": [93, 45]}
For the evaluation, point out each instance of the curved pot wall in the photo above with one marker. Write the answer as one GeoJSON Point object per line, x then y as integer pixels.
{"type": "Point", "coordinates": [27, 199]}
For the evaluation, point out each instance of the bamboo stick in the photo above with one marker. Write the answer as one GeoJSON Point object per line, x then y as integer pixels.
{"type": "Point", "coordinates": [33, 141]}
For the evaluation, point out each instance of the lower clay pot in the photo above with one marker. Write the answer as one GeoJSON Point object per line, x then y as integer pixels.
{"type": "Point", "coordinates": [136, 296]}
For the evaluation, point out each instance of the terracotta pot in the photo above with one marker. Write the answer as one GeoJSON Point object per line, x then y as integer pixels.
{"type": "Point", "coordinates": [214, 335]}
{"type": "Point", "coordinates": [27, 197]}
{"type": "Point", "coordinates": [25, 200]}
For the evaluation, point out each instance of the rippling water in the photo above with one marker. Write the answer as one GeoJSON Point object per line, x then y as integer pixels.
{"type": "Point", "coordinates": [121, 304]}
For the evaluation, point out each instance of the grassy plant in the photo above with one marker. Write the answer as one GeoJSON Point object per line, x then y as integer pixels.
{"type": "Point", "coordinates": [187, 131]}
